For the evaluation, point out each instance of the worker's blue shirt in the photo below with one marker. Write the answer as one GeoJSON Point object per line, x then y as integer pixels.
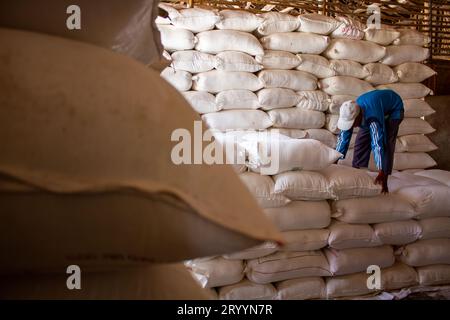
{"type": "Point", "coordinates": [377, 106]}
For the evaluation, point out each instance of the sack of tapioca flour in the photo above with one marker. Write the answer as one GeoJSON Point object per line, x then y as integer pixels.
{"type": "Point", "coordinates": [97, 194]}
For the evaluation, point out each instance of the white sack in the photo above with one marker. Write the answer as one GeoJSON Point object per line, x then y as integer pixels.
{"type": "Point", "coordinates": [414, 126]}
{"type": "Point", "coordinates": [216, 41]}
{"type": "Point", "coordinates": [273, 98]}
{"type": "Point", "coordinates": [399, 276]}
{"type": "Point", "coordinates": [415, 108]}
{"type": "Point", "coordinates": [301, 289]}
{"type": "Point", "coordinates": [383, 37]}
{"type": "Point", "coordinates": [348, 68]}
{"type": "Point", "coordinates": [379, 73]}
{"type": "Point", "coordinates": [216, 272]}
{"type": "Point", "coordinates": [180, 80]}
{"type": "Point", "coordinates": [426, 252]}
{"type": "Point", "coordinates": [262, 189]}
{"type": "Point", "coordinates": [434, 275]}
{"type": "Point", "coordinates": [236, 61]}
{"type": "Point", "coordinates": [237, 120]}
{"type": "Point", "coordinates": [258, 251]}
{"type": "Point", "coordinates": [436, 174]}
{"type": "Point", "coordinates": [193, 61]}
{"type": "Point", "coordinates": [216, 81]}
{"type": "Point", "coordinates": [348, 29]}
{"type": "Point", "coordinates": [396, 55]}
{"type": "Point", "coordinates": [317, 65]}
{"type": "Point", "coordinates": [296, 42]}
{"type": "Point", "coordinates": [338, 100]}
{"type": "Point", "coordinates": [247, 290]}
{"type": "Point", "coordinates": [341, 85]}
{"type": "Point", "coordinates": [435, 228]}
{"type": "Point", "coordinates": [413, 160]}
{"type": "Point", "coordinates": [277, 22]}
{"type": "Point", "coordinates": [176, 39]}
{"type": "Point", "coordinates": [384, 208]}
{"type": "Point", "coordinates": [296, 118]}
{"type": "Point", "coordinates": [413, 72]}
{"type": "Point", "coordinates": [429, 201]}
{"type": "Point", "coordinates": [398, 233]}
{"type": "Point", "coordinates": [194, 19]}
{"type": "Point", "coordinates": [302, 185]}
{"type": "Point", "coordinates": [304, 240]}
{"type": "Point", "coordinates": [287, 265]}
{"type": "Point", "coordinates": [317, 23]}
{"type": "Point", "coordinates": [408, 90]}
{"type": "Point", "coordinates": [348, 261]}
{"type": "Point", "coordinates": [412, 37]}
{"type": "Point", "coordinates": [346, 236]}
{"type": "Point", "coordinates": [313, 100]}
{"type": "Point", "coordinates": [300, 215]}
{"type": "Point", "coordinates": [289, 79]}
{"type": "Point", "coordinates": [237, 99]}
{"type": "Point", "coordinates": [416, 143]}
{"type": "Point", "coordinates": [348, 286]}
{"type": "Point", "coordinates": [323, 135]}
{"type": "Point", "coordinates": [356, 50]}
{"type": "Point", "coordinates": [331, 123]}
{"type": "Point", "coordinates": [272, 59]}
{"type": "Point", "coordinates": [201, 102]}
{"type": "Point", "coordinates": [238, 20]}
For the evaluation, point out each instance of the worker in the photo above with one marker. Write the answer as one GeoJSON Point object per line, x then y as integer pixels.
{"type": "Point", "coordinates": [378, 115]}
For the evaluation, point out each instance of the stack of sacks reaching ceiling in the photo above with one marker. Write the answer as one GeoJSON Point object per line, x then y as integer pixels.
{"type": "Point", "coordinates": [243, 71]}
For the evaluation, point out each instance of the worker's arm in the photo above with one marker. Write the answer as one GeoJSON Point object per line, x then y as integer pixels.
{"type": "Point", "coordinates": [344, 142]}
{"type": "Point", "coordinates": [377, 138]}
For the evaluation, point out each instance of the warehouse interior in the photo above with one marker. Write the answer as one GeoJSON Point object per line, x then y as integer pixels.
{"type": "Point", "coordinates": [194, 150]}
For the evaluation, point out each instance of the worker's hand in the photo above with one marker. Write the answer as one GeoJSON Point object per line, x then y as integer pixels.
{"type": "Point", "coordinates": [382, 179]}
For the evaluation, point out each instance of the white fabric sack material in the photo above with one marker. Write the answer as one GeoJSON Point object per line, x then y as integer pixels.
{"type": "Point", "coordinates": [384, 208]}
{"type": "Point", "coordinates": [273, 98]}
{"type": "Point", "coordinates": [357, 50]}
{"type": "Point", "coordinates": [302, 185]}
{"type": "Point", "coordinates": [261, 250]}
{"type": "Point", "coordinates": [174, 39]}
{"type": "Point", "coordinates": [429, 201]}
{"type": "Point", "coordinates": [304, 240]}
{"type": "Point", "coordinates": [416, 143]}
{"type": "Point", "coordinates": [331, 121]}
{"type": "Point", "coordinates": [215, 81]}
{"type": "Point", "coordinates": [317, 65]}
{"type": "Point", "coordinates": [317, 23]}
{"type": "Point", "coordinates": [349, 261]}
{"type": "Point", "coordinates": [247, 290]}
{"type": "Point", "coordinates": [296, 118]}
{"type": "Point", "coordinates": [237, 99]}
{"type": "Point", "coordinates": [414, 126]}
{"type": "Point", "coordinates": [193, 61]}
{"type": "Point", "coordinates": [416, 108]}
{"type": "Point", "coordinates": [262, 189]}
{"type": "Point", "coordinates": [296, 42]}
{"type": "Point", "coordinates": [201, 102]}
{"type": "Point", "coordinates": [313, 100]}
{"type": "Point", "coordinates": [396, 55]}
{"type": "Point", "coordinates": [348, 286]}
{"type": "Point", "coordinates": [288, 155]}
{"type": "Point", "coordinates": [436, 174]}
{"type": "Point", "coordinates": [399, 276]}
{"type": "Point", "coordinates": [434, 275]}
{"type": "Point", "coordinates": [383, 37]}
{"type": "Point", "coordinates": [349, 182]}
{"type": "Point", "coordinates": [348, 29]}
{"type": "Point", "coordinates": [408, 90]}
{"type": "Point", "coordinates": [275, 22]}
{"type": "Point", "coordinates": [398, 233]}
{"type": "Point", "coordinates": [216, 272]}
{"type": "Point", "coordinates": [180, 80]}
{"type": "Point", "coordinates": [194, 19]}
{"type": "Point", "coordinates": [435, 228]}
{"type": "Point", "coordinates": [412, 37]}
{"type": "Point", "coordinates": [236, 61]}
{"type": "Point", "coordinates": [300, 215]}
{"type": "Point", "coordinates": [287, 265]}
{"type": "Point", "coordinates": [289, 79]}
{"type": "Point", "coordinates": [413, 160]}
{"type": "Point", "coordinates": [301, 289]}
{"type": "Point", "coordinates": [344, 85]}
{"type": "Point", "coordinates": [292, 133]}
{"type": "Point", "coordinates": [238, 20]}
{"type": "Point", "coordinates": [216, 41]}
{"type": "Point", "coordinates": [338, 100]}
{"type": "Point", "coordinates": [282, 60]}
{"type": "Point", "coordinates": [347, 236]}
{"type": "Point", "coordinates": [237, 120]}
{"type": "Point", "coordinates": [413, 72]}
{"type": "Point", "coordinates": [425, 252]}
{"type": "Point", "coordinates": [379, 73]}
{"type": "Point", "coordinates": [348, 68]}
{"type": "Point", "coordinates": [404, 179]}
{"type": "Point", "coordinates": [323, 135]}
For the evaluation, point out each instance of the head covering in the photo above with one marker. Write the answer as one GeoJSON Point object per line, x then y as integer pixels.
{"type": "Point", "coordinates": [347, 115]}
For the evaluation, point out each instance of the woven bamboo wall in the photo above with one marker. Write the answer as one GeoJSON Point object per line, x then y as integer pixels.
{"type": "Point", "coordinates": [429, 16]}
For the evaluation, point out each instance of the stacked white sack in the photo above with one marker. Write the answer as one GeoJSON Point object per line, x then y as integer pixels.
{"type": "Point", "coordinates": [294, 79]}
